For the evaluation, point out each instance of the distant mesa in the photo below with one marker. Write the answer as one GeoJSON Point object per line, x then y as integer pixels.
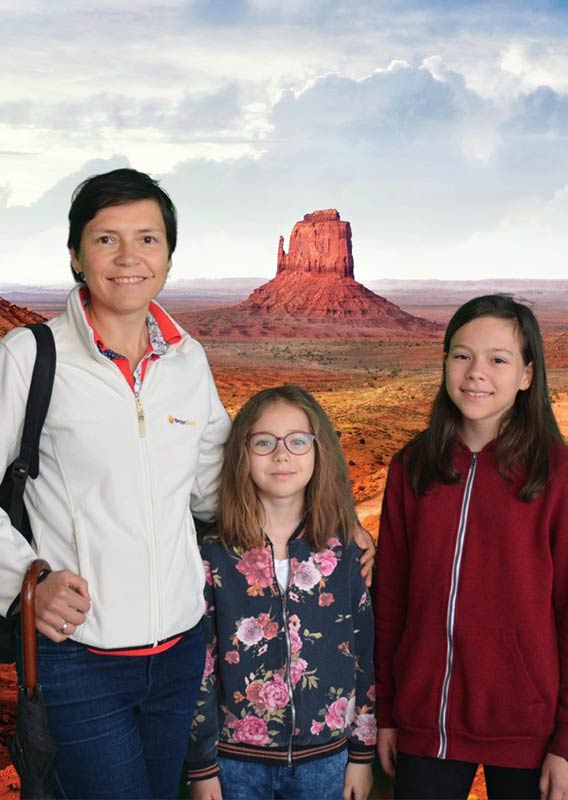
{"type": "Point", "coordinates": [315, 283]}
{"type": "Point", "coordinates": [11, 316]}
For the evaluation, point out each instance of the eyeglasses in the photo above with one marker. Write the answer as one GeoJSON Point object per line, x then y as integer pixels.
{"type": "Point", "coordinates": [297, 443]}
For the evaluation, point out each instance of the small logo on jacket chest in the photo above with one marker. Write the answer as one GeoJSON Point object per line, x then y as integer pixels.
{"type": "Point", "coordinates": [175, 421]}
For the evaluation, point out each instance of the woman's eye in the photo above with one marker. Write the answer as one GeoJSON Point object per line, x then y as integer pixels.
{"type": "Point", "coordinates": [460, 356]}
{"type": "Point", "coordinates": [149, 239]}
{"type": "Point", "coordinates": [104, 239]}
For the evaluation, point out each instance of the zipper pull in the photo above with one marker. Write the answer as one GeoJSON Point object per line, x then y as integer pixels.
{"type": "Point", "coordinates": [141, 425]}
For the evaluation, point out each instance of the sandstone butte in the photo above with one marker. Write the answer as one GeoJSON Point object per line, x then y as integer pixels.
{"type": "Point", "coordinates": [314, 293]}
{"type": "Point", "coordinates": [316, 279]}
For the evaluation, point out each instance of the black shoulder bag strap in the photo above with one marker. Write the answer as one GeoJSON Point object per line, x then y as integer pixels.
{"type": "Point", "coordinates": [27, 463]}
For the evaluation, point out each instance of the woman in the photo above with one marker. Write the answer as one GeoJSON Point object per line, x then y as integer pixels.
{"type": "Point", "coordinates": [131, 447]}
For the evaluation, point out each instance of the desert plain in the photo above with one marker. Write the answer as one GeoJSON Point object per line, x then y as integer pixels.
{"type": "Point", "coordinates": [376, 388]}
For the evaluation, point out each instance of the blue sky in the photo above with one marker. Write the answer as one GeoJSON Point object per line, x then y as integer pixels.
{"type": "Point", "coordinates": [439, 129]}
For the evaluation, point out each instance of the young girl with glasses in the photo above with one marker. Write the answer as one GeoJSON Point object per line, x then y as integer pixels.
{"type": "Point", "coordinates": [286, 705]}
{"type": "Point", "coordinates": [472, 580]}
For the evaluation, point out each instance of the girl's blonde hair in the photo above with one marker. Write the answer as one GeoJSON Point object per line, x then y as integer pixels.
{"type": "Point", "coordinates": [328, 509]}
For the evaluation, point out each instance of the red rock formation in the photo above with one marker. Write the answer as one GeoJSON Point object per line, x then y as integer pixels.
{"type": "Point", "coordinates": [12, 315]}
{"type": "Point", "coordinates": [314, 294]}
{"type": "Point", "coordinates": [315, 281]}
{"type": "Point", "coordinates": [320, 243]}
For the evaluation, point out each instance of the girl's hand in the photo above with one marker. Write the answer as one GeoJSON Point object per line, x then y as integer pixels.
{"type": "Point", "coordinates": [206, 790]}
{"type": "Point", "coordinates": [386, 748]}
{"type": "Point", "coordinates": [358, 781]}
{"type": "Point", "coordinates": [62, 601]}
{"type": "Point", "coordinates": [364, 540]}
{"type": "Point", "coordinates": [554, 778]}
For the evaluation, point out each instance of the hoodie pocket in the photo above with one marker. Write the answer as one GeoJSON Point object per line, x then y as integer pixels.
{"type": "Point", "coordinates": [492, 692]}
{"type": "Point", "coordinates": [418, 675]}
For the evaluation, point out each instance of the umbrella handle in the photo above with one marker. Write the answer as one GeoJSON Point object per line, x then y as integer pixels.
{"type": "Point", "coordinates": [29, 643]}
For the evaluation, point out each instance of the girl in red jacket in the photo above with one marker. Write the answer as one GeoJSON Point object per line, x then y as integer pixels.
{"type": "Point", "coordinates": [472, 575]}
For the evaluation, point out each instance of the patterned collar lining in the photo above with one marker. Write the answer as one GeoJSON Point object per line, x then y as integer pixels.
{"type": "Point", "coordinates": [158, 345]}
{"type": "Point", "coordinates": [161, 334]}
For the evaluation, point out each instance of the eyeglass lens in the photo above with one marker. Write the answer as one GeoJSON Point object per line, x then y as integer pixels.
{"type": "Point", "coordinates": [297, 443]}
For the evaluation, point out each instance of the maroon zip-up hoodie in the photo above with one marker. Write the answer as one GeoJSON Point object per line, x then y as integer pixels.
{"type": "Point", "coordinates": [471, 615]}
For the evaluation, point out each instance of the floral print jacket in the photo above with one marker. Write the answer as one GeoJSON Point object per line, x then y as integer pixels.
{"type": "Point", "coordinates": [288, 675]}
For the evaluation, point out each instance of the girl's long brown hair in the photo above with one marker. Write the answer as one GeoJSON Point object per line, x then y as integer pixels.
{"type": "Point", "coordinates": [329, 509]}
{"type": "Point", "coordinates": [527, 432]}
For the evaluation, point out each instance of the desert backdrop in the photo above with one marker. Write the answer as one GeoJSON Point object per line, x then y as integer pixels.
{"type": "Point", "coordinates": [375, 378]}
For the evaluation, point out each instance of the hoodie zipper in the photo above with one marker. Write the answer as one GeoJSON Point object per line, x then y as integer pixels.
{"type": "Point", "coordinates": [452, 602]}
{"type": "Point", "coordinates": [284, 602]}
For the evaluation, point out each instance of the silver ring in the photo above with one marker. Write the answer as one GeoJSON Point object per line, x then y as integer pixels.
{"type": "Point", "coordinates": [64, 628]}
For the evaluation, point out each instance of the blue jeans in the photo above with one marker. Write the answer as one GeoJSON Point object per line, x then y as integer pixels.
{"type": "Point", "coordinates": [121, 723]}
{"type": "Point", "coordinates": [322, 779]}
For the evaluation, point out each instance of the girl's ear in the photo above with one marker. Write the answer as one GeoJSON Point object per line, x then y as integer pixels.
{"type": "Point", "coordinates": [527, 377]}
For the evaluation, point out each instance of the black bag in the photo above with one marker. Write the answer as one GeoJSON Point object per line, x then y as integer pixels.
{"type": "Point", "coordinates": [27, 463]}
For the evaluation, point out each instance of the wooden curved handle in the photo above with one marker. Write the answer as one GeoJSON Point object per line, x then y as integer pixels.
{"type": "Point", "coordinates": [29, 643]}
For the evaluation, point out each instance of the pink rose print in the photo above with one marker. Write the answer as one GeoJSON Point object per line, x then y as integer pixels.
{"type": "Point", "coordinates": [293, 596]}
{"type": "Point", "coordinates": [275, 693]}
{"type": "Point", "coordinates": [256, 566]}
{"type": "Point", "coordinates": [294, 621]}
{"type": "Point", "coordinates": [316, 727]}
{"type": "Point", "coordinates": [250, 730]}
{"type": "Point", "coordinates": [253, 696]}
{"type": "Point", "coordinates": [208, 573]}
{"type": "Point", "coordinates": [365, 728]}
{"type": "Point", "coordinates": [209, 662]}
{"type": "Point", "coordinates": [271, 630]}
{"type": "Point", "coordinates": [262, 650]}
{"type": "Point", "coordinates": [253, 691]}
{"type": "Point", "coordinates": [335, 717]}
{"type": "Point", "coordinates": [232, 657]}
{"type": "Point", "coordinates": [327, 561]}
{"type": "Point", "coordinates": [371, 693]}
{"type": "Point", "coordinates": [297, 668]}
{"type": "Point", "coordinates": [334, 542]}
{"type": "Point", "coordinates": [307, 575]}
{"type": "Point", "coordinates": [326, 599]}
{"type": "Point", "coordinates": [249, 631]}
{"type": "Point", "coordinates": [295, 642]}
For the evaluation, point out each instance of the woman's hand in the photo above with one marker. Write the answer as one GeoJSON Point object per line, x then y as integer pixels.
{"type": "Point", "coordinates": [554, 778]}
{"type": "Point", "coordinates": [62, 601]}
{"type": "Point", "coordinates": [386, 748]}
{"type": "Point", "coordinates": [206, 790]}
{"type": "Point", "coordinates": [364, 540]}
{"type": "Point", "coordinates": [358, 781]}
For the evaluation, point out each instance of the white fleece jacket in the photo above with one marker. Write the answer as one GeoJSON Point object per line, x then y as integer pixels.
{"type": "Point", "coordinates": [114, 498]}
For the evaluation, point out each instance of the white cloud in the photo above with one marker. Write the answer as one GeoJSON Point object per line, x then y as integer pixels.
{"type": "Point", "coordinates": [438, 129]}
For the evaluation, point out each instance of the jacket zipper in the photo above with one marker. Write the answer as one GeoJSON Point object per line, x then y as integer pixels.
{"type": "Point", "coordinates": [152, 517]}
{"type": "Point", "coordinates": [141, 419]}
{"type": "Point", "coordinates": [452, 602]}
{"type": "Point", "coordinates": [283, 600]}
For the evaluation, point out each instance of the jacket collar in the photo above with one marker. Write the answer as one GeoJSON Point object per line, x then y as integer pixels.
{"type": "Point", "coordinates": [77, 320]}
